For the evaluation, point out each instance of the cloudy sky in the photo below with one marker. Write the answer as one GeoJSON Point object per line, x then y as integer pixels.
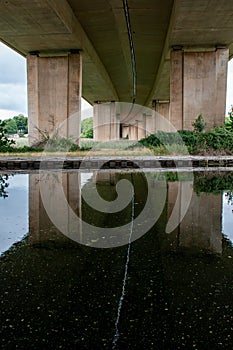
{"type": "Point", "coordinates": [13, 89]}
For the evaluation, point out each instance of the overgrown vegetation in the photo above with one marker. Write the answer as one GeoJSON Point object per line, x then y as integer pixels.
{"type": "Point", "coordinates": [56, 142]}
{"type": "Point", "coordinates": [212, 142]}
{"type": "Point", "coordinates": [212, 182]}
{"type": "Point", "coordinates": [216, 141]}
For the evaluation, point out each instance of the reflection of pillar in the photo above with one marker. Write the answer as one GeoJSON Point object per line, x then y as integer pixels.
{"type": "Point", "coordinates": [54, 95]}
{"type": "Point", "coordinates": [198, 86]}
{"type": "Point", "coordinates": [105, 178]}
{"type": "Point", "coordinates": [201, 226]}
{"type": "Point", "coordinates": [106, 122]}
{"type": "Point", "coordinates": [41, 228]}
{"type": "Point", "coordinates": [34, 208]}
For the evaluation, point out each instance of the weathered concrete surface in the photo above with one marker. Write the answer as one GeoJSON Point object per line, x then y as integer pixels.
{"type": "Point", "coordinates": [141, 125]}
{"type": "Point", "coordinates": [198, 86]}
{"type": "Point", "coordinates": [161, 108]}
{"type": "Point", "coordinates": [54, 96]}
{"type": "Point", "coordinates": [106, 122]}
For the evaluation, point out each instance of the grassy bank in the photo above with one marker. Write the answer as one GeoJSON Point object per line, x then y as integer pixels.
{"type": "Point", "coordinates": [218, 141]}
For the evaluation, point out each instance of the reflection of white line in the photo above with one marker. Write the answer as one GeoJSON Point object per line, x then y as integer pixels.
{"type": "Point", "coordinates": [117, 334]}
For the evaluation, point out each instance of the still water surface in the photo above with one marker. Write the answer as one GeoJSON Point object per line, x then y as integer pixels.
{"type": "Point", "coordinates": [156, 291]}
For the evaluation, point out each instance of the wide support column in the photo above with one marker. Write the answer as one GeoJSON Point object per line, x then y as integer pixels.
{"type": "Point", "coordinates": [106, 122]}
{"type": "Point", "coordinates": [198, 86]}
{"type": "Point", "coordinates": [162, 109]}
{"type": "Point", "coordinates": [54, 96]}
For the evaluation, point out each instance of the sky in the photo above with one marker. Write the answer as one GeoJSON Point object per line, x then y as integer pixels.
{"type": "Point", "coordinates": [13, 86]}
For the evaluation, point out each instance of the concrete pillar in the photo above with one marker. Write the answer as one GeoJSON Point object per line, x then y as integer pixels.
{"type": "Point", "coordinates": [133, 132]}
{"type": "Point", "coordinates": [106, 122]}
{"type": "Point", "coordinates": [54, 95]}
{"type": "Point", "coordinates": [161, 108]}
{"type": "Point", "coordinates": [141, 124]}
{"type": "Point", "coordinates": [150, 129]}
{"type": "Point", "coordinates": [198, 86]}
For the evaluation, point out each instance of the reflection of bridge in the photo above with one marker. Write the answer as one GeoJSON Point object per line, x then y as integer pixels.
{"type": "Point", "coordinates": [75, 48]}
{"type": "Point", "coordinates": [200, 228]}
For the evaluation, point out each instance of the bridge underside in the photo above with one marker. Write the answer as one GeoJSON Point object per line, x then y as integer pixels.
{"type": "Point", "coordinates": [181, 51]}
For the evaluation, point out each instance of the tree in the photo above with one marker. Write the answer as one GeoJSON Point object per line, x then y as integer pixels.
{"type": "Point", "coordinates": [11, 127]}
{"type": "Point", "coordinates": [22, 123]}
{"type": "Point", "coordinates": [18, 124]}
{"type": "Point", "coordinates": [87, 128]}
{"type": "Point", "coordinates": [5, 143]}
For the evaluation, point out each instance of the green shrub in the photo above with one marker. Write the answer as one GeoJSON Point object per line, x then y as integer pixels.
{"type": "Point", "coordinates": [199, 124]}
{"type": "Point", "coordinates": [220, 138]}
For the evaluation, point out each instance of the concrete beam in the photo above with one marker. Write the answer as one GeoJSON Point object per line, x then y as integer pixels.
{"type": "Point", "coordinates": [161, 87]}
{"type": "Point", "coordinates": [90, 56]}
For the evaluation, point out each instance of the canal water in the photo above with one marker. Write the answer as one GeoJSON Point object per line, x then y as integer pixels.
{"type": "Point", "coordinates": [116, 260]}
